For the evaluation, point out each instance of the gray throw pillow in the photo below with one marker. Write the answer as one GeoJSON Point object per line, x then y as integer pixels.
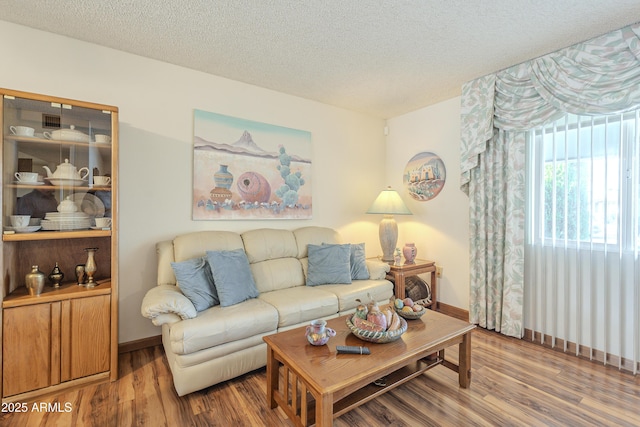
{"type": "Point", "coordinates": [359, 270]}
{"type": "Point", "coordinates": [232, 276]}
{"type": "Point", "coordinates": [329, 264]}
{"type": "Point", "coordinates": [196, 282]}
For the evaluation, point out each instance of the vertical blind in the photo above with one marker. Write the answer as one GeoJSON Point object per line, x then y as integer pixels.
{"type": "Point", "coordinates": [582, 270]}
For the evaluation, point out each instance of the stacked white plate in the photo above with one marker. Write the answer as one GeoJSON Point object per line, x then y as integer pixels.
{"type": "Point", "coordinates": [66, 221]}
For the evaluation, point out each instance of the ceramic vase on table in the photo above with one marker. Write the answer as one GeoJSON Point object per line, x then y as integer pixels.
{"type": "Point", "coordinates": [80, 275]}
{"type": "Point", "coordinates": [34, 281]}
{"type": "Point", "coordinates": [56, 276]}
{"type": "Point", "coordinates": [409, 251]}
{"type": "Point", "coordinates": [318, 333]}
{"type": "Point", "coordinates": [90, 267]}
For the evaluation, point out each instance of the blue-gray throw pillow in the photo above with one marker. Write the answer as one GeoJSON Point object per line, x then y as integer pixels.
{"type": "Point", "coordinates": [232, 276]}
{"type": "Point", "coordinates": [196, 282]}
{"type": "Point", "coordinates": [359, 270]}
{"type": "Point", "coordinates": [329, 264]}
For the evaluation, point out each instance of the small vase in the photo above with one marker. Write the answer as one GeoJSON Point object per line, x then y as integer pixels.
{"type": "Point", "coordinates": [56, 276]}
{"type": "Point", "coordinates": [34, 281]}
{"type": "Point", "coordinates": [223, 178]}
{"type": "Point", "coordinates": [90, 267]}
{"type": "Point", "coordinates": [409, 251]}
{"type": "Point", "coordinates": [80, 274]}
{"type": "Point", "coordinates": [318, 333]}
{"type": "Point", "coordinates": [397, 257]}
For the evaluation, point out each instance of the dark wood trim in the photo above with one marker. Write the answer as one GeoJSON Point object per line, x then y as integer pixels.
{"type": "Point", "coordinates": [140, 344]}
{"type": "Point", "coordinates": [453, 311]}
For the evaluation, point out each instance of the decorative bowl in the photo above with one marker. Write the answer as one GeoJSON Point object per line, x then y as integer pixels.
{"type": "Point", "coordinates": [378, 337]}
{"type": "Point", "coordinates": [411, 315]}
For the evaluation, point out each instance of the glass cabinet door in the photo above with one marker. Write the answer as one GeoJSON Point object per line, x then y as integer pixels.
{"type": "Point", "coordinates": [57, 161]}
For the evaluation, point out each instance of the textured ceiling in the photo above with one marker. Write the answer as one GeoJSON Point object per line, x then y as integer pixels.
{"type": "Point", "coordinates": [383, 58]}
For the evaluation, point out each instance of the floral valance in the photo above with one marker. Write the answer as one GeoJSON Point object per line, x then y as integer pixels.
{"type": "Point", "coordinates": [599, 76]}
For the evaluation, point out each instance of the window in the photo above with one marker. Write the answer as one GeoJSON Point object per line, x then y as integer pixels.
{"type": "Point", "coordinates": [584, 183]}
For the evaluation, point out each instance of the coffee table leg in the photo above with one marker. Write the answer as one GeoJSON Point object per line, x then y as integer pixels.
{"type": "Point", "coordinates": [324, 410]}
{"type": "Point", "coordinates": [464, 362]}
{"type": "Point", "coordinates": [272, 377]}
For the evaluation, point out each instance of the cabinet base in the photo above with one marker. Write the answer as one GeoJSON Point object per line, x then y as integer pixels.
{"type": "Point", "coordinates": [66, 386]}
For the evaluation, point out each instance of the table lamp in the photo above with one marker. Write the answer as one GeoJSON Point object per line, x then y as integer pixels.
{"type": "Point", "coordinates": [389, 204]}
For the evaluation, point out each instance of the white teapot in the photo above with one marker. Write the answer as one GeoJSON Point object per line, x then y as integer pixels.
{"type": "Point", "coordinates": [67, 171]}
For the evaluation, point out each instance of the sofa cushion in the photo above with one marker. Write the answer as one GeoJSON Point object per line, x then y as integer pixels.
{"type": "Point", "coordinates": [232, 276]}
{"type": "Point", "coordinates": [301, 304]}
{"type": "Point", "coordinates": [329, 264]}
{"type": "Point", "coordinates": [164, 255]}
{"type": "Point", "coordinates": [220, 325]}
{"type": "Point", "coordinates": [314, 236]}
{"type": "Point", "coordinates": [377, 269]}
{"type": "Point", "coordinates": [264, 244]}
{"type": "Point", "coordinates": [358, 261]}
{"type": "Point", "coordinates": [196, 282]}
{"type": "Point", "coordinates": [280, 273]}
{"type": "Point", "coordinates": [380, 290]}
{"type": "Point", "coordinates": [193, 245]}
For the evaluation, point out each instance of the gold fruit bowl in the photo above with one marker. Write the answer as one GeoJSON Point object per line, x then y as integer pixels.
{"type": "Point", "coordinates": [411, 315]}
{"type": "Point", "coordinates": [378, 337]}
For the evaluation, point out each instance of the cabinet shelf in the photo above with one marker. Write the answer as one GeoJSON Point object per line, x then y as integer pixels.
{"type": "Point", "coordinates": [44, 142]}
{"type": "Point", "coordinates": [55, 235]}
{"type": "Point", "coordinates": [57, 187]}
{"type": "Point", "coordinates": [21, 297]}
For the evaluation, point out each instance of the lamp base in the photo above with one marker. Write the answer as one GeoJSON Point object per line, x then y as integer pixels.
{"type": "Point", "coordinates": [388, 233]}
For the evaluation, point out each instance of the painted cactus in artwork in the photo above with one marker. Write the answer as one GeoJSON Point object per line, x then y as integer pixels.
{"type": "Point", "coordinates": [288, 192]}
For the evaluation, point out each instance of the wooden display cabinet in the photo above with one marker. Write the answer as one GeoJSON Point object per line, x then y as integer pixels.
{"type": "Point", "coordinates": [66, 336]}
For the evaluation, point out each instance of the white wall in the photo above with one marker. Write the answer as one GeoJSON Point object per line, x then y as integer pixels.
{"type": "Point", "coordinates": [439, 227]}
{"type": "Point", "coordinates": [156, 102]}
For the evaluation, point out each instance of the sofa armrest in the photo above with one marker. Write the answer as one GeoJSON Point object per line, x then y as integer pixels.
{"type": "Point", "coordinates": [167, 299]}
{"type": "Point", "coordinates": [166, 318]}
{"type": "Point", "coordinates": [377, 269]}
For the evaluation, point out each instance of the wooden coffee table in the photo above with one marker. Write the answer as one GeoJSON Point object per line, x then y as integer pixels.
{"type": "Point", "coordinates": [315, 384]}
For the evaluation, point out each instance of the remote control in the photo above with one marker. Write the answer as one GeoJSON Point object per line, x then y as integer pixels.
{"type": "Point", "coordinates": [351, 349]}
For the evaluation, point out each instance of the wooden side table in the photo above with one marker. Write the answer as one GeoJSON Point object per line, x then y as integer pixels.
{"type": "Point", "coordinates": [398, 273]}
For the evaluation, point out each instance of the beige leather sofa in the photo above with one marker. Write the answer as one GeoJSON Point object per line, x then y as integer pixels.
{"type": "Point", "coordinates": [219, 343]}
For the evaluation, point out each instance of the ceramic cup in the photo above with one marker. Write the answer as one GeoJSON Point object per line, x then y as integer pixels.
{"type": "Point", "coordinates": [22, 130]}
{"type": "Point", "coordinates": [20, 221]}
{"type": "Point", "coordinates": [26, 176]}
{"type": "Point", "coordinates": [103, 222]}
{"type": "Point", "coordinates": [102, 139]}
{"type": "Point", "coordinates": [101, 180]}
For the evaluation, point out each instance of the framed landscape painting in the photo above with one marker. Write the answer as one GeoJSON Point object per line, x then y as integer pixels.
{"type": "Point", "coordinates": [244, 169]}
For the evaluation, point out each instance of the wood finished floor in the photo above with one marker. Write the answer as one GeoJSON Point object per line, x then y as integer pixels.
{"type": "Point", "coordinates": [514, 383]}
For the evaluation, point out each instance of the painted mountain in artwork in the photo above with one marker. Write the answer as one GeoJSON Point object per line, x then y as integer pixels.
{"type": "Point", "coordinates": [245, 145]}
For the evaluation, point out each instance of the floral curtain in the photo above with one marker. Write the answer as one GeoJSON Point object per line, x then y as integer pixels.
{"type": "Point", "coordinates": [599, 76]}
